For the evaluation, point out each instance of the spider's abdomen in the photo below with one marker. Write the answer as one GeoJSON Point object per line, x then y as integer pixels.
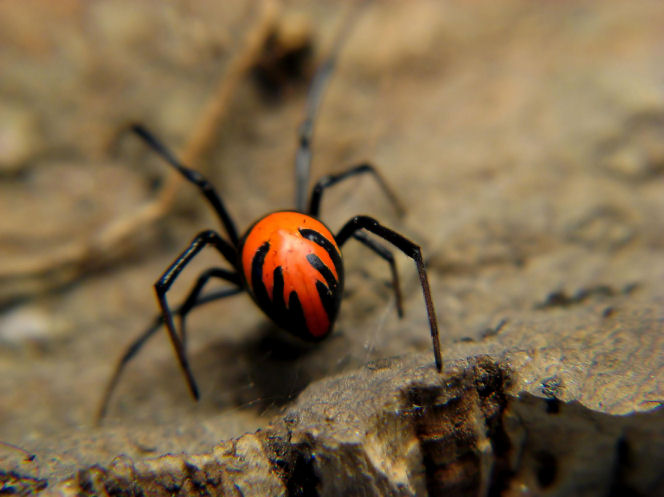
{"type": "Point", "coordinates": [294, 271]}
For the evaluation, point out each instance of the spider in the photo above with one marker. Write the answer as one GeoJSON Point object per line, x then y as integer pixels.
{"type": "Point", "coordinates": [288, 261]}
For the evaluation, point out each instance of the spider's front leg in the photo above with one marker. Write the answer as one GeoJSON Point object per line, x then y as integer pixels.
{"type": "Point", "coordinates": [194, 177]}
{"type": "Point", "coordinates": [192, 301]}
{"type": "Point", "coordinates": [168, 278]}
{"type": "Point", "coordinates": [411, 250]}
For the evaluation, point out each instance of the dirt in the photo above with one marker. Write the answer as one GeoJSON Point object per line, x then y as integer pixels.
{"type": "Point", "coordinates": [525, 140]}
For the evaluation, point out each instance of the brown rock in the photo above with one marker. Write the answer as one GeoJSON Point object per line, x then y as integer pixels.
{"type": "Point", "coordinates": [525, 140]}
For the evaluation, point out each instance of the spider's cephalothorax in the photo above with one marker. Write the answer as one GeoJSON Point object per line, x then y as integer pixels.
{"type": "Point", "coordinates": [293, 269]}
{"type": "Point", "coordinates": [288, 261]}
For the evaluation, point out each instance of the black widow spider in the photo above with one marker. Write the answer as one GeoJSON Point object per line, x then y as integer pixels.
{"type": "Point", "coordinates": [288, 261]}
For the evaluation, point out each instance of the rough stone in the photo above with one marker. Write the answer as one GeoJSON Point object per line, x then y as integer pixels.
{"type": "Point", "coordinates": [525, 140]}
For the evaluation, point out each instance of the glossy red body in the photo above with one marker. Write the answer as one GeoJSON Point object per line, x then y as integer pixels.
{"type": "Point", "coordinates": [293, 269]}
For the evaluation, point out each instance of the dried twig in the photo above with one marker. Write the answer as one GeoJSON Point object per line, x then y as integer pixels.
{"type": "Point", "coordinates": [65, 263]}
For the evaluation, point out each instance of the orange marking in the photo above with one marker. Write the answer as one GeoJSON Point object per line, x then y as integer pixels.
{"type": "Point", "coordinates": [289, 249]}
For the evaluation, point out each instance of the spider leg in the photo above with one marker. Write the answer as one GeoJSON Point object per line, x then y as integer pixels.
{"type": "Point", "coordinates": [387, 255]}
{"type": "Point", "coordinates": [411, 250]}
{"type": "Point", "coordinates": [333, 179]}
{"type": "Point", "coordinates": [192, 176]}
{"type": "Point", "coordinates": [170, 275]}
{"type": "Point", "coordinates": [306, 130]}
{"type": "Point", "coordinates": [192, 301]}
{"type": "Point", "coordinates": [314, 98]}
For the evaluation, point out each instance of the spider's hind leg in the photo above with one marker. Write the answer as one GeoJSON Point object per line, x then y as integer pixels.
{"type": "Point", "coordinates": [333, 179]}
{"type": "Point", "coordinates": [314, 98]}
{"type": "Point", "coordinates": [194, 300]}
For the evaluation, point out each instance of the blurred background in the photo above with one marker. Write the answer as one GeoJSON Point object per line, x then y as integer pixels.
{"type": "Point", "coordinates": [526, 140]}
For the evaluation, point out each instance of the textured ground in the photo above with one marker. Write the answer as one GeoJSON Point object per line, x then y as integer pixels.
{"type": "Point", "coordinates": [526, 140]}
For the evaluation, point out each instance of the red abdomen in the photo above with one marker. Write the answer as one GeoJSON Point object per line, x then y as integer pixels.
{"type": "Point", "coordinates": [294, 271]}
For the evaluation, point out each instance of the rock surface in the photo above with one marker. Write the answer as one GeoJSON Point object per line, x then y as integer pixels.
{"type": "Point", "coordinates": [527, 142]}
{"type": "Point", "coordinates": [398, 428]}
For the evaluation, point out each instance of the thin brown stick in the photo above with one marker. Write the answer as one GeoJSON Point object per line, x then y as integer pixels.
{"type": "Point", "coordinates": [66, 262]}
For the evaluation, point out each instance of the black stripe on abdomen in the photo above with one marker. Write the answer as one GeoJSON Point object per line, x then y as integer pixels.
{"type": "Point", "coordinates": [331, 250]}
{"type": "Point", "coordinates": [290, 318]}
{"type": "Point", "coordinates": [257, 284]}
{"type": "Point", "coordinates": [330, 295]}
{"type": "Point", "coordinates": [328, 291]}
